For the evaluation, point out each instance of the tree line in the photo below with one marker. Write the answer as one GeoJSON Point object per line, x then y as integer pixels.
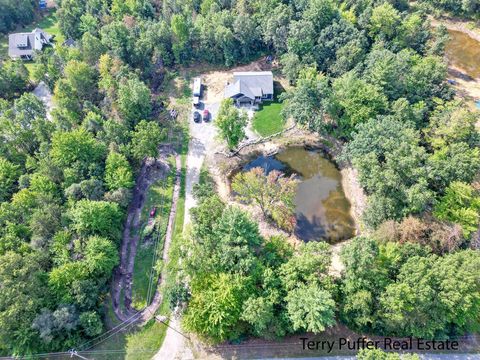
{"type": "Point", "coordinates": [66, 182]}
{"type": "Point", "coordinates": [236, 283]}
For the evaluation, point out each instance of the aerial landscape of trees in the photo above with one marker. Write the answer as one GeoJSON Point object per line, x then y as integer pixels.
{"type": "Point", "coordinates": [368, 73]}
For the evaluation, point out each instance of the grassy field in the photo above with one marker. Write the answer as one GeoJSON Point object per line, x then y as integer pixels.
{"type": "Point", "coordinates": [160, 195]}
{"type": "Point", "coordinates": [267, 120]}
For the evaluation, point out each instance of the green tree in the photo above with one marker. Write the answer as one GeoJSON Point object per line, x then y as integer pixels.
{"type": "Point", "coordinates": [101, 256]}
{"type": "Point", "coordinates": [76, 151]}
{"type": "Point", "coordinates": [275, 27]}
{"type": "Point", "coordinates": [92, 48]}
{"type": "Point", "coordinates": [308, 101]}
{"type": "Point", "coordinates": [24, 295]}
{"type": "Point", "coordinates": [354, 101]}
{"type": "Point", "coordinates": [340, 46]}
{"type": "Point", "coordinates": [379, 354]}
{"type": "Point", "coordinates": [384, 22]}
{"type": "Point", "coordinates": [134, 101]}
{"type": "Point", "coordinates": [231, 123]}
{"type": "Point", "coordinates": [461, 205]}
{"type": "Point", "coordinates": [258, 312]}
{"type": "Point", "coordinates": [433, 295]}
{"type": "Point", "coordinates": [118, 172]}
{"type": "Point", "coordinates": [91, 323]}
{"type": "Point", "coordinates": [62, 278]}
{"type": "Point", "coordinates": [391, 167]}
{"type": "Point", "coordinates": [273, 193]}
{"type": "Point", "coordinates": [308, 265]}
{"type": "Point", "coordinates": [69, 17]}
{"type": "Point", "coordinates": [181, 36]}
{"type": "Point", "coordinates": [82, 78]}
{"type": "Point", "coordinates": [100, 218]}
{"type": "Point", "coordinates": [145, 139]}
{"type": "Point", "coordinates": [310, 308]}
{"type": "Point", "coordinates": [363, 282]}
{"type": "Point", "coordinates": [216, 306]}
{"type": "Point", "coordinates": [14, 79]}
{"type": "Point", "coordinates": [9, 174]}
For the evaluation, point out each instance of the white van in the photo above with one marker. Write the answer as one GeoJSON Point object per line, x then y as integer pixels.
{"type": "Point", "coordinates": [197, 87]}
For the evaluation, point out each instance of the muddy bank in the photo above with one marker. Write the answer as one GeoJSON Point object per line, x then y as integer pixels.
{"type": "Point", "coordinates": [457, 25]}
{"type": "Point", "coordinates": [462, 53]}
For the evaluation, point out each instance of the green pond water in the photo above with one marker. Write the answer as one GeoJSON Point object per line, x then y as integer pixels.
{"type": "Point", "coordinates": [322, 210]}
{"type": "Point", "coordinates": [464, 52]}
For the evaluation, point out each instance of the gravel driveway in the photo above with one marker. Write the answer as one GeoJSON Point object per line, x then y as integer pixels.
{"type": "Point", "coordinates": [202, 140]}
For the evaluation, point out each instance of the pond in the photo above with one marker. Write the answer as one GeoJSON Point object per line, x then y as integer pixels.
{"type": "Point", "coordinates": [322, 210]}
{"type": "Point", "coordinates": [464, 52]}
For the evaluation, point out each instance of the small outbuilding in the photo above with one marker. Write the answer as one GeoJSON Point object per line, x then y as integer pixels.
{"type": "Point", "coordinates": [250, 88]}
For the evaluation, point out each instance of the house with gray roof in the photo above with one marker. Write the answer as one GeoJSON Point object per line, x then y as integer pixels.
{"type": "Point", "coordinates": [250, 88]}
{"type": "Point", "coordinates": [23, 45]}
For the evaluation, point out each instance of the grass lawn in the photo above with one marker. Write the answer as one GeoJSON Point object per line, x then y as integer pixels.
{"type": "Point", "coordinates": [267, 120]}
{"type": "Point", "coordinates": [160, 195]}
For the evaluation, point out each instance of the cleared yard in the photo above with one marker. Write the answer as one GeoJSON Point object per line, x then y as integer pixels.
{"type": "Point", "coordinates": [267, 120]}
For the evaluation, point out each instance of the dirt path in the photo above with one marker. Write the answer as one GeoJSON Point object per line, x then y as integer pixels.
{"type": "Point", "coordinates": [152, 170]}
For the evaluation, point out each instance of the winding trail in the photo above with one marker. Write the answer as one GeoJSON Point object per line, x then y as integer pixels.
{"type": "Point", "coordinates": [152, 170]}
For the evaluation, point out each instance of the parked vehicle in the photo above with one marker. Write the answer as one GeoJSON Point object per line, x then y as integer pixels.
{"type": "Point", "coordinates": [196, 101]}
{"type": "Point", "coordinates": [153, 211]}
{"type": "Point", "coordinates": [196, 117]}
{"type": "Point", "coordinates": [206, 115]}
{"type": "Point", "coordinates": [197, 87]}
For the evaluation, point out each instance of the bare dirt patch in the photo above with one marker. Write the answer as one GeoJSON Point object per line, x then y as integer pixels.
{"type": "Point", "coordinates": [457, 25]}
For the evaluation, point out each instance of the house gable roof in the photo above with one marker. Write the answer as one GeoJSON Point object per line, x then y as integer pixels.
{"type": "Point", "coordinates": [24, 43]}
{"type": "Point", "coordinates": [250, 84]}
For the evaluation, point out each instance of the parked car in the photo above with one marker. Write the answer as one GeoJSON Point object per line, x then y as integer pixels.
{"type": "Point", "coordinates": [153, 211]}
{"type": "Point", "coordinates": [196, 117]}
{"type": "Point", "coordinates": [206, 115]}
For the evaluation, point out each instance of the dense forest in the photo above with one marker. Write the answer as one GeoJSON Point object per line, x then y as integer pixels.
{"type": "Point", "coordinates": [369, 72]}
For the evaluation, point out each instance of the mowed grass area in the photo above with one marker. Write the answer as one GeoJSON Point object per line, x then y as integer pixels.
{"type": "Point", "coordinates": [160, 196]}
{"type": "Point", "coordinates": [267, 120]}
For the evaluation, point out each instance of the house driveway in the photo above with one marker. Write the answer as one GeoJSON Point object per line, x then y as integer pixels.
{"type": "Point", "coordinates": [202, 141]}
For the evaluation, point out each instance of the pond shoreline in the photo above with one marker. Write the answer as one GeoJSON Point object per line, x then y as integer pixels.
{"type": "Point", "coordinates": [222, 168]}
{"type": "Point", "coordinates": [467, 84]}
{"type": "Point", "coordinates": [456, 25]}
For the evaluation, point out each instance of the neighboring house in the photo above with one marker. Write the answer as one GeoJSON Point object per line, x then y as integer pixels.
{"type": "Point", "coordinates": [250, 88]}
{"type": "Point", "coordinates": [23, 45]}
{"type": "Point", "coordinates": [69, 43]}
